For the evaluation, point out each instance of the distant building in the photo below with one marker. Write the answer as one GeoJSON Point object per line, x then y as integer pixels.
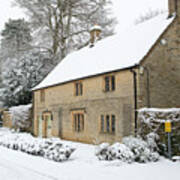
{"type": "Point", "coordinates": [93, 94]}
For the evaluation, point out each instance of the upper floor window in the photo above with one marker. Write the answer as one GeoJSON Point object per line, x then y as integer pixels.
{"type": "Point", "coordinates": [78, 88]}
{"type": "Point", "coordinates": [108, 124]}
{"type": "Point", "coordinates": [109, 83]}
{"type": "Point", "coordinates": [42, 95]}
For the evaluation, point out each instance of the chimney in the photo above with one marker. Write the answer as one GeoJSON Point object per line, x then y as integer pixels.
{"type": "Point", "coordinates": [95, 32]}
{"type": "Point", "coordinates": [174, 7]}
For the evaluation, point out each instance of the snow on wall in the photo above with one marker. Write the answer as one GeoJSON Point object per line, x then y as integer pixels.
{"type": "Point", "coordinates": [114, 53]}
{"type": "Point", "coordinates": [20, 115]}
{"type": "Point", "coordinates": [150, 115]}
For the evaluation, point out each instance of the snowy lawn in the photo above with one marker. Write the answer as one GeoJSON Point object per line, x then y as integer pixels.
{"type": "Point", "coordinates": [82, 165]}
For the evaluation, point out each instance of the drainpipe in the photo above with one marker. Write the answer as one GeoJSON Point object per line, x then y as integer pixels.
{"type": "Point", "coordinates": [135, 99]}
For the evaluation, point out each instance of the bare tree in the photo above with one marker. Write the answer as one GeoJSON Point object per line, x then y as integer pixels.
{"type": "Point", "coordinates": [61, 26]}
{"type": "Point", "coordinates": [149, 15]}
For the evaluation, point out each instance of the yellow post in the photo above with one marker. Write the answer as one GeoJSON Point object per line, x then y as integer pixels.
{"type": "Point", "coordinates": [168, 128]}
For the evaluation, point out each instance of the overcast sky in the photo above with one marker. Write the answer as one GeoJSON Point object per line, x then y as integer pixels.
{"type": "Point", "coordinates": [126, 10]}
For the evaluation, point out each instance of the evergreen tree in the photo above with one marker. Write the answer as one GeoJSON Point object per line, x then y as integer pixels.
{"type": "Point", "coordinates": [25, 73]}
{"type": "Point", "coordinates": [16, 38]}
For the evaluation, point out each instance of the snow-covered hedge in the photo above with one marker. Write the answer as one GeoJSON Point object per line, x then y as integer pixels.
{"type": "Point", "coordinates": [51, 148]}
{"type": "Point", "coordinates": [21, 116]}
{"type": "Point", "coordinates": [150, 115]}
{"type": "Point", "coordinates": [130, 150]}
{"type": "Point", "coordinates": [152, 120]}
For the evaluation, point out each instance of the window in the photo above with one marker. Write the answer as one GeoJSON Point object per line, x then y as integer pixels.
{"type": "Point", "coordinates": [42, 95]}
{"type": "Point", "coordinates": [102, 123]}
{"type": "Point", "coordinates": [78, 89]}
{"type": "Point", "coordinates": [78, 122]}
{"type": "Point", "coordinates": [108, 124]}
{"type": "Point", "coordinates": [109, 83]}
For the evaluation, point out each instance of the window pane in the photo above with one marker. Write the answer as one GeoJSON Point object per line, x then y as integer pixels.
{"type": "Point", "coordinates": [78, 122]}
{"type": "Point", "coordinates": [102, 123]}
{"type": "Point", "coordinates": [82, 122]}
{"type": "Point", "coordinates": [107, 123]}
{"type": "Point", "coordinates": [76, 86]}
{"type": "Point", "coordinates": [113, 121]}
{"type": "Point", "coordinates": [113, 83]}
{"type": "Point", "coordinates": [74, 117]}
{"type": "Point", "coordinates": [106, 83]}
{"type": "Point", "coordinates": [81, 88]}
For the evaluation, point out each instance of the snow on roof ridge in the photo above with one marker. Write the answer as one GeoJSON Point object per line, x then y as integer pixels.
{"type": "Point", "coordinates": [95, 27]}
{"type": "Point", "coordinates": [110, 54]}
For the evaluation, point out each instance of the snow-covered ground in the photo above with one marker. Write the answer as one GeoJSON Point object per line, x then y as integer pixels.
{"type": "Point", "coordinates": [82, 165]}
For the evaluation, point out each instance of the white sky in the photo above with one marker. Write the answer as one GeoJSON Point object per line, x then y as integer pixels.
{"type": "Point", "coordinates": [7, 11]}
{"type": "Point", "coordinates": [126, 10]}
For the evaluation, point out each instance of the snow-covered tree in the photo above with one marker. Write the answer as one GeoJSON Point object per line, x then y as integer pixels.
{"type": "Point", "coordinates": [23, 75]}
{"type": "Point", "coordinates": [148, 15]}
{"type": "Point", "coordinates": [63, 25]}
{"type": "Point", "coordinates": [16, 38]}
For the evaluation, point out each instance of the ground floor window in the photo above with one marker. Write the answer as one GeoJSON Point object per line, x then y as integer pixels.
{"type": "Point", "coordinates": [78, 121]}
{"type": "Point", "coordinates": [108, 123]}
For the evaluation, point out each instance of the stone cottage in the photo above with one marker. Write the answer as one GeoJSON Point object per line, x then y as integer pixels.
{"type": "Point", "coordinates": [93, 94]}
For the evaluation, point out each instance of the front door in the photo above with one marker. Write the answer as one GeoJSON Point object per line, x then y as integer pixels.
{"type": "Point", "coordinates": [40, 126]}
{"type": "Point", "coordinates": [49, 126]}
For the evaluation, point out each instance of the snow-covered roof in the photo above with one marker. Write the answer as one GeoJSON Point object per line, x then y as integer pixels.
{"type": "Point", "coordinates": [117, 52]}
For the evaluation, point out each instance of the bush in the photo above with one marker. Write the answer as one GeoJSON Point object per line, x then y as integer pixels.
{"type": "Point", "coordinates": [117, 151]}
{"type": "Point", "coordinates": [52, 148]}
{"type": "Point", "coordinates": [132, 149]}
{"type": "Point", "coordinates": [143, 151]}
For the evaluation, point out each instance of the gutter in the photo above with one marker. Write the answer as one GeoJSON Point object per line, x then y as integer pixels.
{"type": "Point", "coordinates": [85, 77]}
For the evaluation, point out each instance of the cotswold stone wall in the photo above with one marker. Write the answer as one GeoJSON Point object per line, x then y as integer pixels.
{"type": "Point", "coordinates": [7, 119]}
{"type": "Point", "coordinates": [61, 101]}
{"type": "Point", "coordinates": [163, 64]}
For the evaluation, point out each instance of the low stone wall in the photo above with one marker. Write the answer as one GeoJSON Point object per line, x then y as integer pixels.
{"type": "Point", "coordinates": [7, 119]}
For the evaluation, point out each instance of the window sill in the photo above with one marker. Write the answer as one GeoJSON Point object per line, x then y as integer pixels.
{"type": "Point", "coordinates": [110, 91]}
{"type": "Point", "coordinates": [107, 133]}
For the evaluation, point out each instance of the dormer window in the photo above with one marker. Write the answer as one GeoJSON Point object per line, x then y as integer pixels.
{"type": "Point", "coordinates": [78, 89]}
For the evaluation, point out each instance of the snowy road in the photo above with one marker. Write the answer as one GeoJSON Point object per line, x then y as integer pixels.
{"type": "Point", "coordinates": [82, 165]}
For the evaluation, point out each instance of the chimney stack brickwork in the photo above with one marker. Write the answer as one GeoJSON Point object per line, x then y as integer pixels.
{"type": "Point", "coordinates": [95, 32]}
{"type": "Point", "coordinates": [174, 7]}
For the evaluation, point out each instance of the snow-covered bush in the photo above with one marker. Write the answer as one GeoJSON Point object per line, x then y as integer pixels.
{"type": "Point", "coordinates": [121, 152]}
{"type": "Point", "coordinates": [130, 150]}
{"type": "Point", "coordinates": [116, 151]}
{"type": "Point", "coordinates": [141, 149]}
{"type": "Point", "coordinates": [102, 151]}
{"type": "Point", "coordinates": [51, 148]}
{"type": "Point", "coordinates": [21, 116]}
